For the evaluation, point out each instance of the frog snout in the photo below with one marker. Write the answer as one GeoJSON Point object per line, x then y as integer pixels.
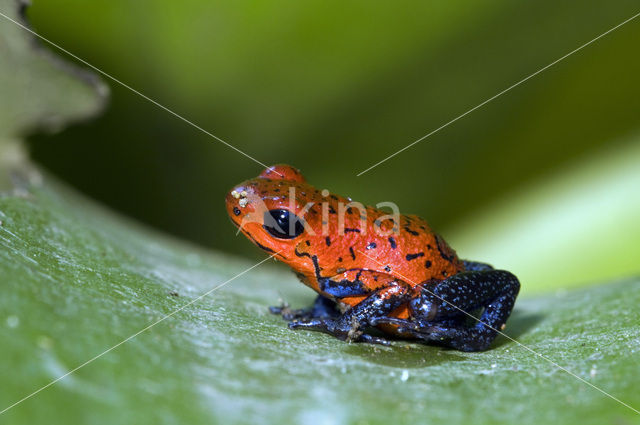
{"type": "Point", "coordinates": [239, 197]}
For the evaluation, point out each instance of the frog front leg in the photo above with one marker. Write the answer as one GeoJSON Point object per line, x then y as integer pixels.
{"type": "Point", "coordinates": [440, 313]}
{"type": "Point", "coordinates": [383, 295]}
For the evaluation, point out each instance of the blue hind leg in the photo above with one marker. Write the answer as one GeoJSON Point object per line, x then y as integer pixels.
{"type": "Point", "coordinates": [439, 313]}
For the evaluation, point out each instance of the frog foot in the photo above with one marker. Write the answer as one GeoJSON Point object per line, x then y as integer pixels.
{"type": "Point", "coordinates": [350, 332]}
{"type": "Point", "coordinates": [463, 338]}
{"type": "Point", "coordinates": [446, 332]}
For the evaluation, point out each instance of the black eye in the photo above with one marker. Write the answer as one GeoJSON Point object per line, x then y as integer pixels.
{"type": "Point", "coordinates": [282, 224]}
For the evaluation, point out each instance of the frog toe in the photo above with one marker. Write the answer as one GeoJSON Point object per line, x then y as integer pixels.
{"type": "Point", "coordinates": [275, 309]}
{"type": "Point", "coordinates": [459, 337]}
{"type": "Point", "coordinates": [371, 339]}
{"type": "Point", "coordinates": [288, 313]}
{"type": "Point", "coordinates": [313, 324]}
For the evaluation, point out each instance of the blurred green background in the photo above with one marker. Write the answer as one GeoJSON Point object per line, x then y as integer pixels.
{"type": "Point", "coordinates": [543, 181]}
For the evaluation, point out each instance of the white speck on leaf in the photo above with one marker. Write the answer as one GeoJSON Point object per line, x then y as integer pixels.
{"type": "Point", "coordinates": [13, 321]}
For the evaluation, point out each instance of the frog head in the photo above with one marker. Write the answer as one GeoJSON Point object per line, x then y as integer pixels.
{"type": "Point", "coordinates": [278, 211]}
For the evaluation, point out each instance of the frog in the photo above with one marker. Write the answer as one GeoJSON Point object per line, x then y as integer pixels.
{"type": "Point", "coordinates": [379, 277]}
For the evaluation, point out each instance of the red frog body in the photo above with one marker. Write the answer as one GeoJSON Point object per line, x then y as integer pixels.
{"type": "Point", "coordinates": [371, 269]}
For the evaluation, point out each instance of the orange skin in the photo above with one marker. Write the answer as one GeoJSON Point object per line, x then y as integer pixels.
{"type": "Point", "coordinates": [411, 255]}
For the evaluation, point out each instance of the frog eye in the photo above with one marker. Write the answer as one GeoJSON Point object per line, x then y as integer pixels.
{"type": "Point", "coordinates": [282, 224]}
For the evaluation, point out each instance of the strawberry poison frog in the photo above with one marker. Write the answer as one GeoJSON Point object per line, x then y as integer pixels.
{"type": "Point", "coordinates": [370, 269]}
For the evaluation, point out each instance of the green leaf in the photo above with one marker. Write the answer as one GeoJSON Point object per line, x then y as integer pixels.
{"type": "Point", "coordinates": [39, 89]}
{"type": "Point", "coordinates": [78, 280]}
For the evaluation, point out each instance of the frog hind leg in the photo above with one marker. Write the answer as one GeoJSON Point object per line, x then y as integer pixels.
{"type": "Point", "coordinates": [322, 307]}
{"type": "Point", "coordinates": [438, 315]}
{"type": "Point", "coordinates": [349, 325]}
